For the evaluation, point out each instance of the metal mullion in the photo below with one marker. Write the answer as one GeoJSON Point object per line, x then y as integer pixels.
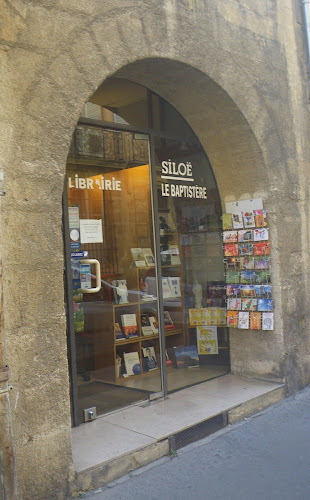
{"type": "Point", "coordinates": [70, 316]}
{"type": "Point", "coordinates": [160, 302]}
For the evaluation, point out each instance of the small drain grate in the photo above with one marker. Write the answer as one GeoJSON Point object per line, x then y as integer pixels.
{"type": "Point", "coordinates": [198, 431]}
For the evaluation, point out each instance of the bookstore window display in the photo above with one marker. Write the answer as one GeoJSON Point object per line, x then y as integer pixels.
{"type": "Point", "coordinates": [144, 228]}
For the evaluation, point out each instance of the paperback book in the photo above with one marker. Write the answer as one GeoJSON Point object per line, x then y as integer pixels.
{"type": "Point", "coordinates": [129, 324]}
{"type": "Point", "coordinates": [262, 248]}
{"type": "Point", "coordinates": [263, 291]}
{"type": "Point", "coordinates": [247, 290]}
{"type": "Point", "coordinates": [261, 234]}
{"type": "Point", "coordinates": [265, 305]}
{"type": "Point", "coordinates": [227, 222]}
{"type": "Point", "coordinates": [255, 320]}
{"type": "Point", "coordinates": [267, 321]}
{"type": "Point", "coordinates": [175, 286]}
{"type": "Point", "coordinates": [245, 249]}
{"type": "Point", "coordinates": [232, 276]}
{"type": "Point", "coordinates": [166, 288]}
{"type": "Point", "coordinates": [233, 290]}
{"type": "Point", "coordinates": [237, 220]}
{"type": "Point", "coordinates": [132, 363]}
{"type": "Point", "coordinates": [168, 323]}
{"type": "Point", "coordinates": [138, 257]}
{"type": "Point", "coordinates": [118, 332]}
{"type": "Point", "coordinates": [154, 324]}
{"type": "Point", "coordinates": [230, 236]}
{"type": "Point", "coordinates": [175, 255]}
{"type": "Point", "coordinates": [232, 319]}
{"type": "Point", "coordinates": [260, 218]}
{"type": "Point", "coordinates": [243, 320]}
{"type": "Point", "coordinates": [247, 277]}
{"type": "Point", "coordinates": [146, 328]}
{"type": "Point", "coordinates": [249, 304]}
{"type": "Point", "coordinates": [245, 236]}
{"type": "Point", "coordinates": [149, 359]}
{"type": "Point", "coordinates": [246, 262]}
{"type": "Point", "coordinates": [186, 356]}
{"type": "Point", "coordinates": [248, 219]}
{"type": "Point", "coordinates": [231, 250]}
{"type": "Point", "coordinates": [234, 304]}
{"type": "Point", "coordinates": [148, 257]}
{"type": "Point", "coordinates": [261, 262]}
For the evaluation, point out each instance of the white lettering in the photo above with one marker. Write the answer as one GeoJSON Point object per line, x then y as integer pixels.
{"type": "Point", "coordinates": [164, 168]}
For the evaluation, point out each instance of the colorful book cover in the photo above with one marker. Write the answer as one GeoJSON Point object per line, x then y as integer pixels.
{"type": "Point", "coordinates": [219, 316]}
{"type": "Point", "coordinates": [260, 218]}
{"type": "Point", "coordinates": [146, 325]}
{"type": "Point", "coordinates": [175, 286]}
{"type": "Point", "coordinates": [132, 363]}
{"type": "Point", "coordinates": [234, 304]}
{"type": "Point", "coordinates": [262, 276]}
{"type": "Point", "coordinates": [233, 290]}
{"type": "Point", "coordinates": [243, 320]}
{"type": "Point", "coordinates": [245, 248]}
{"type": "Point", "coordinates": [207, 340]}
{"type": "Point", "coordinates": [267, 321]}
{"type": "Point", "coordinates": [262, 248]}
{"type": "Point", "coordinates": [129, 323]}
{"type": "Point", "coordinates": [118, 332]}
{"type": "Point", "coordinates": [166, 288]}
{"type": "Point", "coordinates": [261, 234]}
{"type": "Point", "coordinates": [261, 262]}
{"type": "Point", "coordinates": [232, 276]}
{"type": "Point", "coordinates": [246, 262]}
{"type": "Point", "coordinates": [247, 277]}
{"type": "Point", "coordinates": [255, 320]}
{"type": "Point", "coordinates": [227, 222]}
{"type": "Point", "coordinates": [186, 356]}
{"type": "Point", "coordinates": [230, 236]}
{"type": "Point", "coordinates": [263, 291]}
{"type": "Point", "coordinates": [237, 220]}
{"type": "Point", "coordinates": [265, 305]}
{"type": "Point", "coordinates": [195, 317]}
{"type": "Point", "coordinates": [248, 219]}
{"type": "Point", "coordinates": [245, 236]}
{"type": "Point", "coordinates": [232, 319]}
{"type": "Point", "coordinates": [247, 291]}
{"type": "Point", "coordinates": [149, 359]}
{"type": "Point", "coordinates": [231, 250]}
{"type": "Point", "coordinates": [208, 316]}
{"type": "Point", "coordinates": [169, 325]}
{"type": "Point", "coordinates": [231, 263]}
{"type": "Point", "coordinates": [154, 324]}
{"type": "Point", "coordinates": [249, 304]}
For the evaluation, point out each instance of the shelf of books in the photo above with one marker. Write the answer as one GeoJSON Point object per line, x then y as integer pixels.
{"type": "Point", "coordinates": [135, 316]}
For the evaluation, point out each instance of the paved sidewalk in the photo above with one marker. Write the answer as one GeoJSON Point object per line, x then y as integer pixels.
{"type": "Point", "coordinates": [266, 456]}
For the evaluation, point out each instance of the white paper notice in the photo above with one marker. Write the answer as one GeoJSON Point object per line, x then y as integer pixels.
{"type": "Point", "coordinates": [244, 205]}
{"type": "Point", "coordinates": [91, 230]}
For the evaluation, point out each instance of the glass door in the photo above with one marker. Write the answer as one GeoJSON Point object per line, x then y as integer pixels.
{"type": "Point", "coordinates": [113, 295]}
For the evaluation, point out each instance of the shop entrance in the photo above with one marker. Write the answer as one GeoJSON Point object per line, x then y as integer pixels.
{"type": "Point", "coordinates": [142, 217]}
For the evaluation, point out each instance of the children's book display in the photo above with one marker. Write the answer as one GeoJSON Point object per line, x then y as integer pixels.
{"type": "Point", "coordinates": [247, 270]}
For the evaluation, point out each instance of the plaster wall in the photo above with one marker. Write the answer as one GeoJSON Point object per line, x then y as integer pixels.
{"type": "Point", "coordinates": [232, 68]}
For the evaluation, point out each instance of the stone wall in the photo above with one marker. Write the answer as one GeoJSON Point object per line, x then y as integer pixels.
{"type": "Point", "coordinates": [235, 70]}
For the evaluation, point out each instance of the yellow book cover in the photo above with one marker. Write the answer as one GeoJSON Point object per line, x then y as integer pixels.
{"type": "Point", "coordinates": [195, 316]}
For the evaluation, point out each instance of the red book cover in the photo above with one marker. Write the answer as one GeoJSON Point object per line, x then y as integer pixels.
{"type": "Point", "coordinates": [262, 248]}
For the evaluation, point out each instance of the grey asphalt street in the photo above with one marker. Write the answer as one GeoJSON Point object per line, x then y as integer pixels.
{"type": "Point", "coordinates": [266, 456]}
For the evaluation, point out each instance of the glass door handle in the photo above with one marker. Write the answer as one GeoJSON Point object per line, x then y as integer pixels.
{"type": "Point", "coordinates": [98, 276]}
